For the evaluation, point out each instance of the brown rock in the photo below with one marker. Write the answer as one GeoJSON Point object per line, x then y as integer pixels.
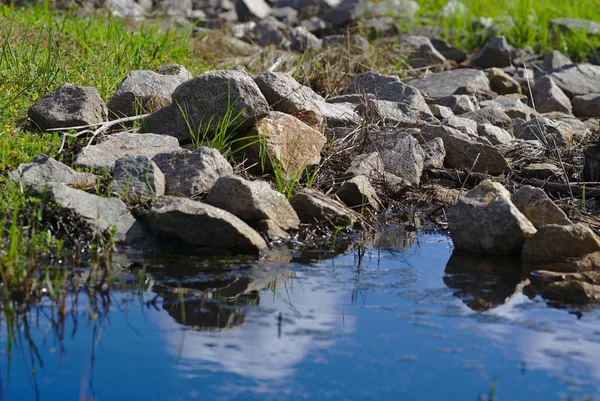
{"type": "Point", "coordinates": [538, 208]}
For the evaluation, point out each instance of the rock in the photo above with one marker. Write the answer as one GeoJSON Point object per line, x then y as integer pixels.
{"type": "Point", "coordinates": [579, 128]}
{"type": "Point", "coordinates": [476, 93]}
{"type": "Point", "coordinates": [106, 153]}
{"type": "Point", "coordinates": [544, 130]}
{"type": "Point", "coordinates": [143, 92]}
{"type": "Point", "coordinates": [214, 99]}
{"type": "Point", "coordinates": [419, 52]}
{"type": "Point", "coordinates": [138, 179]}
{"type": "Point", "coordinates": [445, 83]}
{"type": "Point", "coordinates": [68, 106]}
{"type": "Point", "coordinates": [238, 31]}
{"type": "Point", "coordinates": [440, 112]}
{"type": "Point", "coordinates": [203, 226]}
{"type": "Point", "coordinates": [486, 221]}
{"type": "Point", "coordinates": [285, 94]}
{"type": "Point", "coordinates": [435, 153]}
{"type": "Point", "coordinates": [555, 247]}
{"type": "Point", "coordinates": [404, 10]}
{"type": "Point", "coordinates": [496, 53]}
{"type": "Point", "coordinates": [253, 201]}
{"type": "Point", "coordinates": [587, 105]}
{"type": "Point", "coordinates": [453, 8]}
{"type": "Point", "coordinates": [512, 106]}
{"type": "Point", "coordinates": [567, 288]}
{"type": "Point", "coordinates": [577, 79]}
{"type": "Point", "coordinates": [465, 125]}
{"type": "Point", "coordinates": [369, 165]}
{"type": "Point", "coordinates": [575, 25]}
{"type": "Point", "coordinates": [269, 31]}
{"type": "Point", "coordinates": [502, 83]}
{"type": "Point", "coordinates": [538, 208]}
{"type": "Point", "coordinates": [548, 97]}
{"type": "Point", "coordinates": [175, 70]}
{"type": "Point", "coordinates": [345, 14]}
{"type": "Point", "coordinates": [355, 44]}
{"type": "Point", "coordinates": [287, 15]}
{"type": "Point", "coordinates": [302, 40]}
{"type": "Point", "coordinates": [394, 186]}
{"type": "Point", "coordinates": [462, 150]}
{"type": "Point", "coordinates": [125, 9]}
{"type": "Point", "coordinates": [447, 50]}
{"type": "Point", "coordinates": [459, 104]}
{"type": "Point", "coordinates": [45, 170]}
{"type": "Point", "coordinates": [250, 9]}
{"type": "Point", "coordinates": [314, 25]}
{"type": "Point", "coordinates": [357, 192]}
{"type": "Point", "coordinates": [314, 207]}
{"type": "Point", "coordinates": [176, 8]}
{"type": "Point", "coordinates": [101, 215]}
{"type": "Point", "coordinates": [555, 60]}
{"type": "Point", "coordinates": [404, 159]}
{"type": "Point", "coordinates": [541, 170]}
{"type": "Point", "coordinates": [190, 173]}
{"type": "Point", "coordinates": [495, 135]}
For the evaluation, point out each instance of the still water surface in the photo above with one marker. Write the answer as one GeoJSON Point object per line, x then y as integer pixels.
{"type": "Point", "coordinates": [383, 322]}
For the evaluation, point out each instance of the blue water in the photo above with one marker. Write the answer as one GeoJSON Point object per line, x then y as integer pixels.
{"type": "Point", "coordinates": [377, 323]}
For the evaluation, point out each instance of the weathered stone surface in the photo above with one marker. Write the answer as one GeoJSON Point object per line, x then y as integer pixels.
{"type": "Point", "coordinates": [495, 135]}
{"type": "Point", "coordinates": [357, 192]}
{"type": "Point", "coordinates": [538, 208]}
{"type": "Point", "coordinates": [577, 79]}
{"type": "Point", "coordinates": [269, 31]}
{"type": "Point", "coordinates": [465, 125]}
{"type": "Point", "coordinates": [100, 214]}
{"type": "Point", "coordinates": [435, 153]}
{"type": "Point", "coordinates": [502, 83]}
{"type": "Point", "coordinates": [440, 112]}
{"type": "Point", "coordinates": [314, 207]}
{"type": "Point", "coordinates": [176, 8]}
{"type": "Point", "coordinates": [548, 97]}
{"type": "Point", "coordinates": [190, 173]}
{"type": "Point", "coordinates": [404, 158]}
{"type": "Point", "coordinates": [511, 105]}
{"type": "Point", "coordinates": [68, 106]}
{"type": "Point", "coordinates": [285, 94]}
{"type": "Point", "coordinates": [204, 103]}
{"type": "Point", "coordinates": [459, 104]}
{"type": "Point", "coordinates": [541, 170]}
{"type": "Point", "coordinates": [486, 221]}
{"type": "Point", "coordinates": [203, 226]}
{"type": "Point", "coordinates": [496, 53]}
{"type": "Point", "coordinates": [419, 52]}
{"type": "Point", "coordinates": [567, 288]}
{"type": "Point", "coordinates": [447, 50]}
{"type": "Point", "coordinates": [587, 105]}
{"type": "Point", "coordinates": [143, 92]}
{"type": "Point", "coordinates": [556, 247]}
{"type": "Point", "coordinates": [368, 164]}
{"type": "Point", "coordinates": [302, 40]}
{"type": "Point", "coordinates": [555, 60]}
{"type": "Point", "coordinates": [579, 128]}
{"type": "Point", "coordinates": [125, 9]}
{"type": "Point", "coordinates": [106, 153]}
{"type": "Point", "coordinates": [250, 9]}
{"type": "Point", "coordinates": [138, 179]}
{"type": "Point", "coordinates": [445, 83]}
{"type": "Point", "coordinates": [544, 130]}
{"type": "Point", "coordinates": [44, 170]}
{"type": "Point", "coordinates": [462, 150]}
{"type": "Point", "coordinates": [344, 14]}
{"type": "Point", "coordinates": [253, 201]}
{"type": "Point", "coordinates": [491, 115]}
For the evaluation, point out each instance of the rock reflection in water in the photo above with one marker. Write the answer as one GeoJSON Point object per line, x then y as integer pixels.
{"type": "Point", "coordinates": [483, 282]}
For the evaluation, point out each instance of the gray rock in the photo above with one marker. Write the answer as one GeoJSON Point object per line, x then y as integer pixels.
{"type": "Point", "coordinates": [357, 193]}
{"type": "Point", "coordinates": [544, 130]}
{"type": "Point", "coordinates": [287, 15]}
{"type": "Point", "coordinates": [447, 50]}
{"type": "Point", "coordinates": [435, 153]}
{"type": "Point", "coordinates": [68, 106]}
{"type": "Point", "coordinates": [587, 105]}
{"type": "Point", "coordinates": [502, 83]}
{"type": "Point", "coordinates": [314, 207]}
{"type": "Point", "coordinates": [538, 208]}
{"type": "Point", "coordinates": [496, 53]}
{"type": "Point", "coordinates": [405, 10]}
{"type": "Point", "coordinates": [102, 215]}
{"type": "Point", "coordinates": [555, 60]}
{"type": "Point", "coordinates": [462, 150]}
{"type": "Point", "coordinates": [44, 170]}
{"type": "Point", "coordinates": [253, 201]}
{"type": "Point", "coordinates": [176, 8]}
{"type": "Point", "coordinates": [203, 226]}
{"type": "Point", "coordinates": [576, 25]}
{"type": "Point", "coordinates": [345, 14]}
{"type": "Point", "coordinates": [491, 115]}
{"type": "Point", "coordinates": [369, 165]}
{"type": "Point", "coordinates": [302, 40]}
{"type": "Point", "coordinates": [238, 31]}
{"type": "Point", "coordinates": [191, 173]}
{"type": "Point", "coordinates": [125, 9]}
{"type": "Point", "coordinates": [356, 44]}
{"type": "Point", "coordinates": [548, 97]}
{"type": "Point", "coordinates": [250, 9]}
{"type": "Point", "coordinates": [465, 125]}
{"type": "Point", "coordinates": [445, 83]}
{"type": "Point", "coordinates": [440, 112]}
{"type": "Point", "coordinates": [419, 52]}
{"type": "Point", "coordinates": [495, 135]}
{"type": "Point", "coordinates": [404, 159]}
{"type": "Point", "coordinates": [579, 129]}
{"type": "Point", "coordinates": [138, 179]}
{"type": "Point", "coordinates": [459, 104]}
{"type": "Point", "coordinates": [175, 70]}
{"type": "Point", "coordinates": [208, 101]}
{"type": "Point", "coordinates": [143, 92]}
{"type": "Point", "coordinates": [314, 25]}
{"type": "Point", "coordinates": [269, 31]}
{"type": "Point", "coordinates": [285, 94]}
{"type": "Point", "coordinates": [511, 105]}
{"type": "Point", "coordinates": [577, 79]}
{"type": "Point", "coordinates": [106, 153]}
{"type": "Point", "coordinates": [541, 170]}
{"type": "Point", "coordinates": [486, 221]}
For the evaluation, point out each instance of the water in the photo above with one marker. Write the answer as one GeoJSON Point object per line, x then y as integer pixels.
{"type": "Point", "coordinates": [385, 322]}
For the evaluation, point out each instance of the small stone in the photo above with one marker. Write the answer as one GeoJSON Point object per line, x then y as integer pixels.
{"type": "Point", "coordinates": [577, 79]}
{"type": "Point", "coordinates": [435, 153]}
{"type": "Point", "coordinates": [419, 52]}
{"type": "Point", "coordinates": [138, 179]}
{"type": "Point", "coordinates": [357, 192]}
{"type": "Point", "coordinates": [550, 133]}
{"type": "Point", "coordinates": [314, 207]}
{"type": "Point", "coordinates": [555, 60]}
{"type": "Point", "coordinates": [538, 208]}
{"type": "Point", "coordinates": [512, 106]}
{"type": "Point", "coordinates": [302, 40]}
{"type": "Point", "coordinates": [249, 9]}
{"type": "Point", "coordinates": [404, 159]}
{"type": "Point", "coordinates": [502, 83]}
{"type": "Point", "coordinates": [445, 83]}
{"type": "Point", "coordinates": [495, 135]}
{"type": "Point", "coordinates": [45, 170]}
{"type": "Point", "coordinates": [541, 170]}
{"type": "Point", "coordinates": [465, 125]}
{"type": "Point", "coordinates": [369, 165]}
{"type": "Point", "coordinates": [440, 112]}
{"type": "Point", "coordinates": [496, 53]}
{"type": "Point", "coordinates": [548, 97]}
{"type": "Point", "coordinates": [491, 115]}
{"type": "Point", "coordinates": [587, 105]}
{"type": "Point", "coordinates": [459, 104]}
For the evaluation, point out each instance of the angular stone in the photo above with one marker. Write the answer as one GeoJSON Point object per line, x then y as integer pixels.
{"type": "Point", "coordinates": [495, 135]}
{"type": "Point", "coordinates": [203, 226]}
{"type": "Point", "coordinates": [314, 207]}
{"type": "Point", "coordinates": [577, 79]}
{"type": "Point", "coordinates": [555, 60]}
{"type": "Point", "coordinates": [538, 208]}
{"type": "Point", "coordinates": [419, 52]}
{"type": "Point", "coordinates": [496, 53]}
{"type": "Point", "coordinates": [302, 40]}
{"type": "Point", "coordinates": [404, 159]}
{"type": "Point", "coordinates": [357, 192]}
{"type": "Point", "coordinates": [462, 150]}
{"type": "Point", "coordinates": [486, 221]}
{"type": "Point", "coordinates": [541, 170]}
{"type": "Point", "coordinates": [45, 170]}
{"type": "Point", "coordinates": [250, 9]}
{"type": "Point", "coordinates": [212, 101]}
{"type": "Point", "coordinates": [435, 153]}
{"type": "Point", "coordinates": [465, 125]}
{"type": "Point", "coordinates": [270, 31]}
{"type": "Point", "coordinates": [548, 97]}
{"type": "Point", "coordinates": [253, 201]}
{"type": "Point", "coordinates": [445, 83]}
{"type": "Point", "coordinates": [345, 14]}
{"type": "Point", "coordinates": [68, 106]}
{"type": "Point", "coordinates": [459, 104]}
{"type": "Point", "coordinates": [138, 179]}
{"type": "Point", "coordinates": [587, 105]}
{"type": "Point", "coordinates": [511, 105]}
{"type": "Point", "coordinates": [502, 83]}
{"type": "Point", "coordinates": [106, 153]}
{"type": "Point", "coordinates": [544, 130]}
{"type": "Point", "coordinates": [491, 115]}
{"type": "Point", "coordinates": [567, 288]}
{"type": "Point", "coordinates": [191, 173]}
{"type": "Point", "coordinates": [440, 112]}
{"type": "Point", "coordinates": [369, 165]}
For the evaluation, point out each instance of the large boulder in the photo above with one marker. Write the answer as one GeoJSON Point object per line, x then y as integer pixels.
{"type": "Point", "coordinates": [538, 208]}
{"type": "Point", "coordinates": [203, 226]}
{"type": "Point", "coordinates": [213, 103]}
{"type": "Point", "coordinates": [486, 221]}
{"type": "Point", "coordinates": [138, 179]}
{"type": "Point", "coordinates": [68, 106]}
{"type": "Point", "coordinates": [44, 170]}
{"type": "Point", "coordinates": [190, 173]}
{"type": "Point", "coordinates": [445, 83]}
